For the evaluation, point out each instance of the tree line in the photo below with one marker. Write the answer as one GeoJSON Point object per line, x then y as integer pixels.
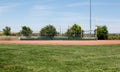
{"type": "Point", "coordinates": [50, 31]}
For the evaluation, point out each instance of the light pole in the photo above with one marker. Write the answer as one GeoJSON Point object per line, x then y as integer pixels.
{"type": "Point", "coordinates": [90, 17]}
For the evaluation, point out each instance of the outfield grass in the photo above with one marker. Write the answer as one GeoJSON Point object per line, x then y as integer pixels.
{"type": "Point", "coordinates": [47, 58]}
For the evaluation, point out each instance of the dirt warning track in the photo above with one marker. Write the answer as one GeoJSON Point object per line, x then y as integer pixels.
{"type": "Point", "coordinates": [62, 42]}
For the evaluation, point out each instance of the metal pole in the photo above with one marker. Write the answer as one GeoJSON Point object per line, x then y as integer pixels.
{"type": "Point", "coordinates": [90, 17]}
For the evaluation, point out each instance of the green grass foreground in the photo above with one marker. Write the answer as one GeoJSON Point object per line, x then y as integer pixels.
{"type": "Point", "coordinates": [48, 58]}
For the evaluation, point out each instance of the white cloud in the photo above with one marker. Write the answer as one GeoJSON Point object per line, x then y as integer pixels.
{"type": "Point", "coordinates": [41, 7]}
{"type": "Point", "coordinates": [41, 10]}
{"type": "Point", "coordinates": [7, 7]}
{"type": "Point", "coordinates": [45, 0]}
{"type": "Point", "coordinates": [87, 4]}
{"type": "Point", "coordinates": [107, 20]}
{"type": "Point", "coordinates": [78, 4]}
{"type": "Point", "coordinates": [3, 8]}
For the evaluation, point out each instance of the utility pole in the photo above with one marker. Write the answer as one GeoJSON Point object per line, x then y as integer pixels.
{"type": "Point", "coordinates": [90, 18]}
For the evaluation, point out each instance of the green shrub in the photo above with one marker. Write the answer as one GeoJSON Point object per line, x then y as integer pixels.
{"type": "Point", "coordinates": [114, 37]}
{"type": "Point", "coordinates": [48, 31]}
{"type": "Point", "coordinates": [102, 33]}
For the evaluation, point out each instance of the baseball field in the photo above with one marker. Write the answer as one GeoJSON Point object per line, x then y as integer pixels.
{"type": "Point", "coordinates": [57, 57]}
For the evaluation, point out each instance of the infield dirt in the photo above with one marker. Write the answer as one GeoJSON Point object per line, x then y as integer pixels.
{"type": "Point", "coordinates": [62, 42]}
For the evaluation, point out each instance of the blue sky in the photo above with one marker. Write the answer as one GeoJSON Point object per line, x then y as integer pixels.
{"type": "Point", "coordinates": [60, 13]}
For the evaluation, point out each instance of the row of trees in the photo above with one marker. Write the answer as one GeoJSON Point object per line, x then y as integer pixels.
{"type": "Point", "coordinates": [50, 31]}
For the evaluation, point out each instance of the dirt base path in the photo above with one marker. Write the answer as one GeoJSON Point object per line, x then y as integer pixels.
{"type": "Point", "coordinates": [61, 42]}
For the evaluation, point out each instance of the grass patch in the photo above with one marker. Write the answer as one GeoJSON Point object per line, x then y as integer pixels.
{"type": "Point", "coordinates": [48, 58]}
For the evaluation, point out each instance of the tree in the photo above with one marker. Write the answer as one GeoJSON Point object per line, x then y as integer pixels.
{"type": "Point", "coordinates": [75, 31]}
{"type": "Point", "coordinates": [26, 31]}
{"type": "Point", "coordinates": [7, 31]}
{"type": "Point", "coordinates": [48, 31]}
{"type": "Point", "coordinates": [102, 32]}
